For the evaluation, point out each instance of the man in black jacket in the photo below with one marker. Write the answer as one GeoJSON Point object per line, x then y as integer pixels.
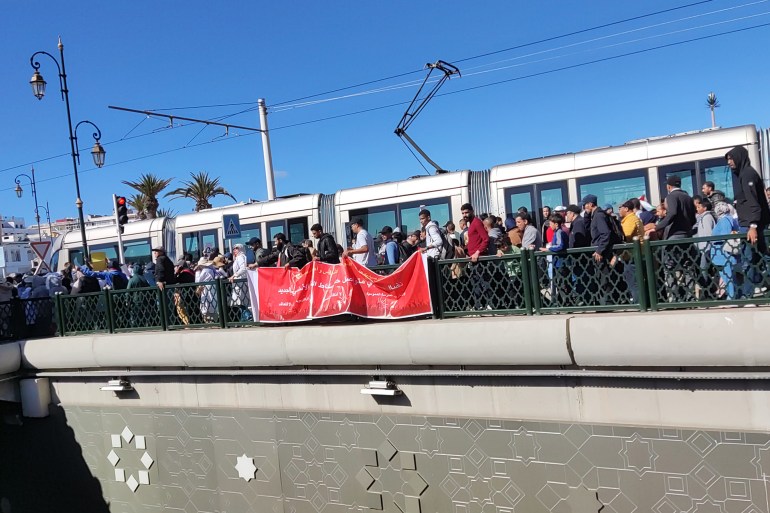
{"type": "Point", "coordinates": [753, 210]}
{"type": "Point", "coordinates": [164, 268]}
{"type": "Point", "coordinates": [579, 228]}
{"type": "Point", "coordinates": [601, 238]}
{"type": "Point", "coordinates": [679, 261]}
{"type": "Point", "coordinates": [680, 211]}
{"type": "Point", "coordinates": [327, 251]}
{"type": "Point", "coordinates": [284, 254]}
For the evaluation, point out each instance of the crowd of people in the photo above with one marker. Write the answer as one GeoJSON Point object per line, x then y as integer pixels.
{"type": "Point", "coordinates": [728, 268]}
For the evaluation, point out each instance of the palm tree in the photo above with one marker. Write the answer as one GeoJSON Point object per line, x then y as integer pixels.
{"type": "Point", "coordinates": [166, 212]}
{"type": "Point", "coordinates": [201, 188]}
{"type": "Point", "coordinates": [149, 186]}
{"type": "Point", "coordinates": [712, 103]}
{"type": "Point", "coordinates": [139, 203]}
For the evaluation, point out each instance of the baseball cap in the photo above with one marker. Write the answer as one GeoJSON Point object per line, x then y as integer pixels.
{"type": "Point", "coordinates": [386, 229]}
{"type": "Point", "coordinates": [560, 208]}
{"type": "Point", "coordinates": [254, 240]}
{"type": "Point", "coordinates": [160, 249]}
{"type": "Point", "coordinates": [607, 206]}
{"type": "Point", "coordinates": [674, 181]}
{"type": "Point", "coordinates": [590, 198]}
{"type": "Point", "coordinates": [510, 224]}
{"type": "Point", "coordinates": [358, 221]}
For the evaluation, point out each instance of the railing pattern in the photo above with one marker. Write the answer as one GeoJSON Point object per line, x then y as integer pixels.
{"type": "Point", "coordinates": [643, 275]}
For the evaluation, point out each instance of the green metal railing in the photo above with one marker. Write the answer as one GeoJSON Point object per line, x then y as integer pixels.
{"type": "Point", "coordinates": [492, 285]}
{"type": "Point", "coordinates": [575, 281]}
{"type": "Point", "coordinates": [705, 272]}
{"type": "Point", "coordinates": [688, 273]}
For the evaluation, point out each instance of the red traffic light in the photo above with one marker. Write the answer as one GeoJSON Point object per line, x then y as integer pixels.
{"type": "Point", "coordinates": [121, 201]}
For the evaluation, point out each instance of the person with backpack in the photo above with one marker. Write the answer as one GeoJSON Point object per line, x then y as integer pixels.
{"type": "Point", "coordinates": [113, 276]}
{"type": "Point", "coordinates": [392, 250]}
{"type": "Point", "coordinates": [437, 245]}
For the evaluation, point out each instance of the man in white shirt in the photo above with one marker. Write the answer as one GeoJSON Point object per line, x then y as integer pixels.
{"type": "Point", "coordinates": [363, 250]}
{"type": "Point", "coordinates": [433, 241]}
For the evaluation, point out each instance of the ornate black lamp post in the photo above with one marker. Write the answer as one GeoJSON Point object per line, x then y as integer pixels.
{"type": "Point", "coordinates": [97, 152]}
{"type": "Point", "coordinates": [20, 191]}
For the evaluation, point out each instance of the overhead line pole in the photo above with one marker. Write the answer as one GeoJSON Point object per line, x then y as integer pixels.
{"type": "Point", "coordinates": [269, 176]}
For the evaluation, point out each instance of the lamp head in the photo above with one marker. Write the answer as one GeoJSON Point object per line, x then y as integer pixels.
{"type": "Point", "coordinates": [38, 85]}
{"type": "Point", "coordinates": [98, 153]}
{"type": "Point", "coordinates": [19, 190]}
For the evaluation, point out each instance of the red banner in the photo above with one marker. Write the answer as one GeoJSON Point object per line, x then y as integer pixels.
{"type": "Point", "coordinates": [321, 290]}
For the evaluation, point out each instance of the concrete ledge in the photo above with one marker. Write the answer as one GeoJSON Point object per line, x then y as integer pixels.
{"type": "Point", "coordinates": [10, 358]}
{"type": "Point", "coordinates": [718, 337]}
{"type": "Point", "coordinates": [511, 341]}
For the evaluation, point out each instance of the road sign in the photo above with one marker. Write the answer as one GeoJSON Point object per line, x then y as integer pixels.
{"type": "Point", "coordinates": [231, 224]}
{"type": "Point", "coordinates": [41, 250]}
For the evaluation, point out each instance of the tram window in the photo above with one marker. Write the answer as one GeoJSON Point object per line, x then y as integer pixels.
{"type": "Point", "coordinates": [516, 200]}
{"type": "Point", "coordinates": [375, 218]}
{"type": "Point", "coordinates": [199, 244]}
{"type": "Point", "coordinates": [76, 257]}
{"type": "Point", "coordinates": [247, 232]}
{"type": "Point", "coordinates": [297, 230]}
{"type": "Point", "coordinates": [110, 251]}
{"type": "Point", "coordinates": [686, 172]}
{"type": "Point", "coordinates": [410, 214]}
{"type": "Point", "coordinates": [717, 171]}
{"type": "Point", "coordinates": [137, 251]}
{"type": "Point", "coordinates": [54, 261]}
{"type": "Point", "coordinates": [552, 197]}
{"type": "Point", "coordinates": [273, 229]}
{"type": "Point", "coordinates": [615, 188]}
{"type": "Point", "coordinates": [190, 245]}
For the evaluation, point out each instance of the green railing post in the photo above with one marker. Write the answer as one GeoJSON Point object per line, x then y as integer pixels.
{"type": "Point", "coordinates": [222, 301]}
{"type": "Point", "coordinates": [59, 313]}
{"type": "Point", "coordinates": [641, 289]}
{"type": "Point", "coordinates": [164, 307]}
{"type": "Point", "coordinates": [438, 311]}
{"type": "Point", "coordinates": [163, 310]}
{"type": "Point", "coordinates": [649, 266]}
{"type": "Point", "coordinates": [524, 258]}
{"type": "Point", "coordinates": [108, 306]}
{"type": "Point", "coordinates": [534, 282]}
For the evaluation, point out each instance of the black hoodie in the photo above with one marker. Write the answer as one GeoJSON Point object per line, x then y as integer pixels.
{"type": "Point", "coordinates": [749, 190]}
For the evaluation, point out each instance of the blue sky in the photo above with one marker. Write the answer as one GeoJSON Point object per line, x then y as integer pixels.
{"type": "Point", "coordinates": [167, 55]}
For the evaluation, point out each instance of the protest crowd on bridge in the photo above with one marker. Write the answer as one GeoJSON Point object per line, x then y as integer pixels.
{"type": "Point", "coordinates": [582, 256]}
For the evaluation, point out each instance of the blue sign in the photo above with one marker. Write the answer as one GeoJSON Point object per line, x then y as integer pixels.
{"type": "Point", "coordinates": [231, 225]}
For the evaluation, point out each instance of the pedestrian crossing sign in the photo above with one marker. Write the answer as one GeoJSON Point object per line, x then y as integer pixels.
{"type": "Point", "coordinates": [231, 225]}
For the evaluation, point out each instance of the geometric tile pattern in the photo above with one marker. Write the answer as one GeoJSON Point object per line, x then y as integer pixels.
{"type": "Point", "coordinates": [140, 444]}
{"type": "Point", "coordinates": [320, 462]}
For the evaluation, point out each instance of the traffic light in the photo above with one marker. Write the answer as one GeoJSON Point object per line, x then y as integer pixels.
{"type": "Point", "coordinates": [122, 211]}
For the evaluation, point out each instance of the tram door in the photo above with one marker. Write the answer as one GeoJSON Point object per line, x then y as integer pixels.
{"type": "Point", "coordinates": [534, 197]}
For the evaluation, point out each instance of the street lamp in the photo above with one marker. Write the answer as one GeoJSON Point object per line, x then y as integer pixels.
{"type": "Point", "coordinates": [20, 191]}
{"type": "Point", "coordinates": [38, 84]}
{"type": "Point", "coordinates": [48, 218]}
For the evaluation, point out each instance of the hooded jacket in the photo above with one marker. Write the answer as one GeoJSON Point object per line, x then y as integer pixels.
{"type": "Point", "coordinates": [749, 190]}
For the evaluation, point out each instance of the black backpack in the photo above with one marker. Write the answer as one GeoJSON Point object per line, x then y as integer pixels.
{"type": "Point", "coordinates": [119, 281]}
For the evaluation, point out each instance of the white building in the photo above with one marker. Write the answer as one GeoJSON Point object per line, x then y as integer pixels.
{"type": "Point", "coordinates": [17, 256]}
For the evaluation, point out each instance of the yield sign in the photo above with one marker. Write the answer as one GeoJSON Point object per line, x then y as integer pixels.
{"type": "Point", "coordinates": [41, 250]}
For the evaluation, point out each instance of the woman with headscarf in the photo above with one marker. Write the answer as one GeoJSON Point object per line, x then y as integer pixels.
{"type": "Point", "coordinates": [725, 254]}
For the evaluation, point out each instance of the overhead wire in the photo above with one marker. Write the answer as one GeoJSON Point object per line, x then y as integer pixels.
{"type": "Point", "coordinates": [125, 137]}
{"type": "Point", "coordinates": [399, 75]}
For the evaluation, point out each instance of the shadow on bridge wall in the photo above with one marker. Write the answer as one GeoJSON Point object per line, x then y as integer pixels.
{"type": "Point", "coordinates": [42, 466]}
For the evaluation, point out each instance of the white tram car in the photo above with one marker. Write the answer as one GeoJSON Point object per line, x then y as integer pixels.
{"type": "Point", "coordinates": [614, 174]}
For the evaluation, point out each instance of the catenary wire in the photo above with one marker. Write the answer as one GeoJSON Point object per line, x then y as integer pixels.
{"type": "Point", "coordinates": [495, 52]}
{"type": "Point", "coordinates": [546, 72]}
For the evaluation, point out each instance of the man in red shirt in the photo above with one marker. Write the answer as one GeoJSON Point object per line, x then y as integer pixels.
{"type": "Point", "coordinates": [477, 235]}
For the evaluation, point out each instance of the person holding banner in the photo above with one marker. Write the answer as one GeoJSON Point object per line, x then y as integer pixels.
{"type": "Point", "coordinates": [284, 254]}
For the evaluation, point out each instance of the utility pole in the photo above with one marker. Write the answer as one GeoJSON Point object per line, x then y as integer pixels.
{"type": "Point", "coordinates": [269, 176]}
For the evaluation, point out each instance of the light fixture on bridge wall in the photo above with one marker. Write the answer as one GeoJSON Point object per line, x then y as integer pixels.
{"type": "Point", "coordinates": [381, 387]}
{"type": "Point", "coordinates": [118, 385]}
